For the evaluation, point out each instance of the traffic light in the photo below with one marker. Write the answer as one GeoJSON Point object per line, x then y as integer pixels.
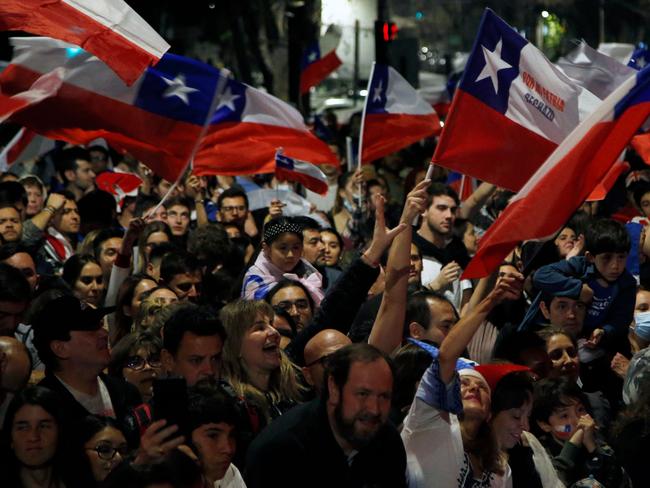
{"type": "Point", "coordinates": [389, 31]}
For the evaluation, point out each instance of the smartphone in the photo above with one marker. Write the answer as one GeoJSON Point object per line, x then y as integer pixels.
{"type": "Point", "coordinates": [170, 401]}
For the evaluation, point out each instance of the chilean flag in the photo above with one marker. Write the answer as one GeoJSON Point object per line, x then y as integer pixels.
{"type": "Point", "coordinates": [26, 144]}
{"type": "Point", "coordinates": [314, 67]}
{"type": "Point", "coordinates": [109, 29]}
{"type": "Point", "coordinates": [159, 119]}
{"type": "Point", "coordinates": [640, 57]}
{"type": "Point", "coordinates": [511, 109]}
{"type": "Point", "coordinates": [44, 87]}
{"type": "Point", "coordinates": [394, 115]}
{"type": "Point", "coordinates": [463, 185]}
{"type": "Point", "coordinates": [307, 174]}
{"type": "Point", "coordinates": [568, 176]}
{"type": "Point", "coordinates": [247, 127]}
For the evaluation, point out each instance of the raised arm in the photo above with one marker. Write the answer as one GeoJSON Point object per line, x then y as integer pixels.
{"type": "Point", "coordinates": [507, 287]}
{"type": "Point", "coordinates": [476, 200]}
{"type": "Point", "coordinates": [387, 331]}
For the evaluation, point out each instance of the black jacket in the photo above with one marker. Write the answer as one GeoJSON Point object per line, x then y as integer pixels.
{"type": "Point", "coordinates": [124, 396]}
{"type": "Point", "coordinates": [299, 449]}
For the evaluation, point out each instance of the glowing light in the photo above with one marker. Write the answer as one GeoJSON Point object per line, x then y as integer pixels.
{"type": "Point", "coordinates": [545, 14]}
{"type": "Point", "coordinates": [71, 52]}
{"type": "Point", "coordinates": [363, 93]}
{"type": "Point", "coordinates": [419, 15]}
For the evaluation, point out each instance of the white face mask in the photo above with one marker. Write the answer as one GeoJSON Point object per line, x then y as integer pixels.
{"type": "Point", "coordinates": [284, 185]}
{"type": "Point", "coordinates": [642, 325]}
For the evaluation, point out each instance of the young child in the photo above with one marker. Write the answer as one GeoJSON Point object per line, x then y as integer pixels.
{"type": "Point", "coordinates": [569, 434]}
{"type": "Point", "coordinates": [600, 278]}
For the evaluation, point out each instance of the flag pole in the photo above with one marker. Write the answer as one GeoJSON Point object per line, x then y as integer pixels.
{"type": "Point", "coordinates": [224, 75]}
{"type": "Point", "coordinates": [363, 123]}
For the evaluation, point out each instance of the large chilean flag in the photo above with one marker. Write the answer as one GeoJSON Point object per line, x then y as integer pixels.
{"type": "Point", "coordinates": [394, 115]}
{"type": "Point", "coordinates": [510, 111]}
{"type": "Point", "coordinates": [159, 119]}
{"type": "Point", "coordinates": [568, 176]}
{"type": "Point", "coordinates": [247, 128]}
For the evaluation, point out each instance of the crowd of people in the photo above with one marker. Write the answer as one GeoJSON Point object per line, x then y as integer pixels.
{"type": "Point", "coordinates": [176, 336]}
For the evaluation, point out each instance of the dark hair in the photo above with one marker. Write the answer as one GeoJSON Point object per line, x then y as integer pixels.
{"type": "Point", "coordinates": [48, 401]}
{"type": "Point", "coordinates": [152, 228]}
{"type": "Point", "coordinates": [417, 308]}
{"type": "Point", "coordinates": [340, 361]}
{"type": "Point", "coordinates": [211, 245]}
{"type": "Point", "coordinates": [512, 391]}
{"type": "Point", "coordinates": [82, 431]}
{"type": "Point", "coordinates": [307, 223]}
{"type": "Point", "coordinates": [277, 226]}
{"type": "Point", "coordinates": [208, 404]}
{"type": "Point", "coordinates": [42, 340]}
{"type": "Point", "coordinates": [74, 265]}
{"type": "Point", "coordinates": [179, 200]}
{"type": "Point", "coordinates": [123, 322]}
{"type": "Point", "coordinates": [12, 248]}
{"type": "Point", "coordinates": [232, 192]}
{"type": "Point", "coordinates": [129, 345]}
{"type": "Point", "coordinates": [159, 251]}
{"type": "Point", "coordinates": [96, 210]}
{"type": "Point", "coordinates": [554, 393]}
{"type": "Point", "coordinates": [199, 320]}
{"type": "Point", "coordinates": [460, 227]}
{"type": "Point", "coordinates": [66, 159]}
{"type": "Point", "coordinates": [104, 235]}
{"type": "Point", "coordinates": [14, 287]}
{"type": "Point", "coordinates": [440, 189]}
{"type": "Point", "coordinates": [411, 361]}
{"type": "Point", "coordinates": [607, 235]}
{"type": "Point", "coordinates": [12, 192]}
{"type": "Point", "coordinates": [177, 263]}
{"type": "Point", "coordinates": [287, 283]}
{"type": "Point", "coordinates": [640, 189]}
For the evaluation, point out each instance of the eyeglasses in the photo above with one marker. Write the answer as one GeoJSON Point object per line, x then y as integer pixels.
{"type": "Point", "coordinates": [87, 280]}
{"type": "Point", "coordinates": [187, 286]}
{"type": "Point", "coordinates": [136, 363]}
{"type": "Point", "coordinates": [232, 208]}
{"type": "Point", "coordinates": [107, 451]}
{"type": "Point", "coordinates": [287, 305]}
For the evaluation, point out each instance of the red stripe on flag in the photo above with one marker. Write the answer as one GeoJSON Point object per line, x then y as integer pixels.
{"type": "Point", "coordinates": [61, 21]}
{"type": "Point", "coordinates": [78, 116]}
{"type": "Point", "coordinates": [312, 184]}
{"type": "Point", "coordinates": [641, 145]}
{"type": "Point", "coordinates": [474, 133]}
{"type": "Point", "coordinates": [560, 190]}
{"type": "Point", "coordinates": [14, 153]}
{"type": "Point", "coordinates": [387, 133]}
{"type": "Point", "coordinates": [233, 148]}
{"type": "Point", "coordinates": [317, 71]}
{"type": "Point", "coordinates": [606, 184]}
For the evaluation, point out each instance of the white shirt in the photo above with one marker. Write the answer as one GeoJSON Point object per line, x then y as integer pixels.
{"type": "Point", "coordinates": [454, 291]}
{"type": "Point", "coordinates": [232, 479]}
{"type": "Point", "coordinates": [97, 404]}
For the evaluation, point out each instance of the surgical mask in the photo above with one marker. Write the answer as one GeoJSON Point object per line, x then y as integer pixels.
{"type": "Point", "coordinates": [642, 327]}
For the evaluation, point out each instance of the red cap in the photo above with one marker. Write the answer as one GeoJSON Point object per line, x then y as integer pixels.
{"type": "Point", "coordinates": [494, 372]}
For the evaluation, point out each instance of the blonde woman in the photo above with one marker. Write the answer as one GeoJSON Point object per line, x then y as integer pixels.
{"type": "Point", "coordinates": [253, 362]}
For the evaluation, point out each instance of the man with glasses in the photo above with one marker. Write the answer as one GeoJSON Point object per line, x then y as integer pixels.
{"type": "Point", "coordinates": [232, 208]}
{"type": "Point", "coordinates": [290, 296]}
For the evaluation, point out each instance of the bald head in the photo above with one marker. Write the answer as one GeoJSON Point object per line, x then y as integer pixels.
{"type": "Point", "coordinates": [321, 345]}
{"type": "Point", "coordinates": [15, 365]}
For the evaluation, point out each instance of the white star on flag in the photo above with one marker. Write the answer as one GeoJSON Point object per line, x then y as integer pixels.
{"type": "Point", "coordinates": [312, 56]}
{"type": "Point", "coordinates": [178, 88]}
{"type": "Point", "coordinates": [228, 100]}
{"type": "Point", "coordinates": [493, 64]}
{"type": "Point", "coordinates": [376, 97]}
{"type": "Point", "coordinates": [641, 62]}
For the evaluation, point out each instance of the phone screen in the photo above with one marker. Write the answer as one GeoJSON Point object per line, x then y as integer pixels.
{"type": "Point", "coordinates": [170, 401]}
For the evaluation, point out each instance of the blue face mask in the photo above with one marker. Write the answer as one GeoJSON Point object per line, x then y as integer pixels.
{"type": "Point", "coordinates": [642, 328]}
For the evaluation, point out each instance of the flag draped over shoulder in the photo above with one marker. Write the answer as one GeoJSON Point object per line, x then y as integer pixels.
{"type": "Point", "coordinates": [247, 127]}
{"type": "Point", "coordinates": [109, 29]}
{"type": "Point", "coordinates": [159, 119]}
{"type": "Point", "coordinates": [511, 109]}
{"type": "Point", "coordinates": [316, 66]}
{"type": "Point", "coordinates": [394, 116]}
{"type": "Point", "coordinates": [568, 176]}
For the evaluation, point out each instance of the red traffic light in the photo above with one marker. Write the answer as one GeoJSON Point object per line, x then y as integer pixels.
{"type": "Point", "coordinates": [389, 30]}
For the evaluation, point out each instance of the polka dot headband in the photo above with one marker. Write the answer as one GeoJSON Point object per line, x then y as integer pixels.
{"type": "Point", "coordinates": [274, 229]}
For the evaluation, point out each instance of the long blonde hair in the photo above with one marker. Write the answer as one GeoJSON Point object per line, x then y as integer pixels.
{"type": "Point", "coordinates": [284, 385]}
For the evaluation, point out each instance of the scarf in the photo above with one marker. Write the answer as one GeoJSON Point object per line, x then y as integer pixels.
{"type": "Point", "coordinates": [57, 246]}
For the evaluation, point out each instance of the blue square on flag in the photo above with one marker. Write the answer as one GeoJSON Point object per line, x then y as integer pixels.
{"type": "Point", "coordinates": [231, 103]}
{"type": "Point", "coordinates": [493, 63]}
{"type": "Point", "coordinates": [178, 88]}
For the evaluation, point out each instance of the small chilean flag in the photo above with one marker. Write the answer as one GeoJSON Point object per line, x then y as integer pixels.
{"type": "Point", "coordinates": [511, 109]}
{"type": "Point", "coordinates": [394, 115]}
{"type": "Point", "coordinates": [309, 175]}
{"type": "Point", "coordinates": [109, 29]}
{"type": "Point", "coordinates": [26, 144]}
{"type": "Point", "coordinates": [568, 176]}
{"type": "Point", "coordinates": [314, 67]}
